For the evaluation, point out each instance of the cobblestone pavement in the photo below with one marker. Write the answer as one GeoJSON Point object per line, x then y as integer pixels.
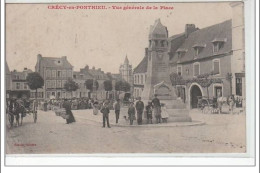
{"type": "Point", "coordinates": [221, 133]}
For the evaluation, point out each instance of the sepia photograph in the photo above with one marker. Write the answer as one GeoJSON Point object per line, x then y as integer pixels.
{"type": "Point", "coordinates": [125, 78]}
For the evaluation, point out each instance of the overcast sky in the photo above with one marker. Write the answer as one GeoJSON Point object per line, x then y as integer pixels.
{"type": "Point", "coordinates": [99, 38]}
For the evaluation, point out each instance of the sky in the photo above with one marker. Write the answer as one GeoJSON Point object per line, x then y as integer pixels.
{"type": "Point", "coordinates": [100, 38]}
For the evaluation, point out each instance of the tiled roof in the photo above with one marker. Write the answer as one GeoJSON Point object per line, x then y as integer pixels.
{"type": "Point", "coordinates": [205, 37]}
{"type": "Point", "coordinates": [142, 66]}
{"type": "Point", "coordinates": [55, 62]}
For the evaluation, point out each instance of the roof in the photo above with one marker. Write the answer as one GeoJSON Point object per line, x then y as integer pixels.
{"type": "Point", "coordinates": [205, 36]}
{"type": "Point", "coordinates": [158, 30]}
{"type": "Point", "coordinates": [55, 62]}
{"type": "Point", "coordinates": [142, 66]}
{"type": "Point", "coordinates": [82, 75]}
{"type": "Point", "coordinates": [7, 70]}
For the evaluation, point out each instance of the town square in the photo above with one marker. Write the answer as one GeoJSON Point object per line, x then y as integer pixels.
{"type": "Point", "coordinates": [184, 93]}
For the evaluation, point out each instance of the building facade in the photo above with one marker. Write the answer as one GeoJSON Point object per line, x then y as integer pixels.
{"type": "Point", "coordinates": [140, 76]}
{"type": "Point", "coordinates": [80, 78]}
{"type": "Point", "coordinates": [207, 52]}
{"type": "Point", "coordinates": [55, 73]}
{"type": "Point", "coordinates": [18, 86]}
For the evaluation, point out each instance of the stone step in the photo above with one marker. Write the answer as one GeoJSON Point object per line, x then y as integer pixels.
{"type": "Point", "coordinates": [179, 112]}
{"type": "Point", "coordinates": [180, 119]}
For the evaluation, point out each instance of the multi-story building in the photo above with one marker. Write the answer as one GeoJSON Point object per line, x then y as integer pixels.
{"type": "Point", "coordinates": [126, 71]}
{"type": "Point", "coordinates": [203, 52]}
{"type": "Point", "coordinates": [19, 87]}
{"type": "Point", "coordinates": [80, 78]}
{"type": "Point", "coordinates": [140, 75]}
{"type": "Point", "coordinates": [55, 72]}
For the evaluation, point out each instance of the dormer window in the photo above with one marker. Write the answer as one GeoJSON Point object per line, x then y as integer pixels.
{"type": "Point", "coordinates": [198, 48]}
{"type": "Point", "coordinates": [218, 43]}
{"type": "Point", "coordinates": [181, 52]}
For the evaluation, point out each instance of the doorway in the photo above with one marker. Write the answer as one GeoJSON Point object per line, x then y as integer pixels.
{"type": "Point", "coordinates": [195, 92]}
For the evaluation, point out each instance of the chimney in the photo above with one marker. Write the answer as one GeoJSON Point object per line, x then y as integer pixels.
{"type": "Point", "coordinates": [87, 67]}
{"type": "Point", "coordinates": [146, 51]}
{"type": "Point", "coordinates": [93, 68]}
{"type": "Point", "coordinates": [189, 28]}
{"type": "Point", "coordinates": [64, 57]}
{"type": "Point", "coordinates": [99, 69]}
{"type": "Point", "coordinates": [25, 69]}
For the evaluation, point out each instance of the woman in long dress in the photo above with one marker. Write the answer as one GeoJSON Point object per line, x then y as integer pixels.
{"type": "Point", "coordinates": [67, 106]}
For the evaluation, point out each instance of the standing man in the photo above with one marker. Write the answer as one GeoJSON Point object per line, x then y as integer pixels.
{"type": "Point", "coordinates": [131, 113]}
{"type": "Point", "coordinates": [117, 109]}
{"type": "Point", "coordinates": [139, 106]}
{"type": "Point", "coordinates": [105, 111]}
{"type": "Point", "coordinates": [157, 108]}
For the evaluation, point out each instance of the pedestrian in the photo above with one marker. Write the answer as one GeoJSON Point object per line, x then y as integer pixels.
{"type": "Point", "coordinates": [139, 106]}
{"type": "Point", "coordinates": [117, 109]}
{"type": "Point", "coordinates": [231, 103]}
{"type": "Point", "coordinates": [67, 106]}
{"type": "Point", "coordinates": [164, 113]}
{"type": "Point", "coordinates": [105, 111]}
{"type": "Point", "coordinates": [149, 113]}
{"type": "Point", "coordinates": [156, 108]}
{"type": "Point", "coordinates": [131, 113]}
{"type": "Point", "coordinates": [95, 108]}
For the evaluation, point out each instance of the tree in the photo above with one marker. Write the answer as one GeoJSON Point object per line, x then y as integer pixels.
{"type": "Point", "coordinates": [108, 86]}
{"type": "Point", "coordinates": [71, 86]}
{"type": "Point", "coordinates": [90, 83]}
{"type": "Point", "coordinates": [122, 86]}
{"type": "Point", "coordinates": [35, 81]}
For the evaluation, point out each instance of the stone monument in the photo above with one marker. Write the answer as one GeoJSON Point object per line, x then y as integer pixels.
{"type": "Point", "coordinates": [158, 77]}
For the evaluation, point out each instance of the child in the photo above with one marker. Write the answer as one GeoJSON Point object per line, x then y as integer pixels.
{"type": "Point", "coordinates": [164, 113]}
{"type": "Point", "coordinates": [149, 112]}
{"type": "Point", "coordinates": [131, 113]}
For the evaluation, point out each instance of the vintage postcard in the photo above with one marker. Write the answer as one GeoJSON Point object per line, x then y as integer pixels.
{"type": "Point", "coordinates": [126, 78]}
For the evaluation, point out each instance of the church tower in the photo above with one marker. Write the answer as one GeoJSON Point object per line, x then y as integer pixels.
{"type": "Point", "coordinates": [126, 71]}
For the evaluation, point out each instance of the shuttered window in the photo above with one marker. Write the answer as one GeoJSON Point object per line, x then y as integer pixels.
{"type": "Point", "coordinates": [216, 67]}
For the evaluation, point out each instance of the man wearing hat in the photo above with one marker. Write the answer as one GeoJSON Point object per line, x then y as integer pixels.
{"type": "Point", "coordinates": [105, 111]}
{"type": "Point", "coordinates": [139, 106]}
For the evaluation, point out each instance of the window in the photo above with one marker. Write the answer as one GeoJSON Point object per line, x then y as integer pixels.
{"type": "Point", "coordinates": [197, 51]}
{"type": "Point", "coordinates": [63, 73]}
{"type": "Point", "coordinates": [196, 69]}
{"type": "Point", "coordinates": [18, 86]}
{"type": "Point", "coordinates": [59, 84]}
{"type": "Point", "coordinates": [48, 73]}
{"type": "Point", "coordinates": [216, 66]}
{"type": "Point", "coordinates": [179, 70]}
{"type": "Point", "coordinates": [58, 73]}
{"type": "Point", "coordinates": [63, 83]}
{"type": "Point", "coordinates": [215, 47]}
{"type": "Point", "coordinates": [53, 73]}
{"type": "Point", "coordinates": [25, 86]}
{"type": "Point", "coordinates": [53, 84]}
{"type": "Point", "coordinates": [48, 84]}
{"type": "Point", "coordinates": [142, 79]}
{"type": "Point", "coordinates": [138, 79]}
{"type": "Point", "coordinates": [187, 71]}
